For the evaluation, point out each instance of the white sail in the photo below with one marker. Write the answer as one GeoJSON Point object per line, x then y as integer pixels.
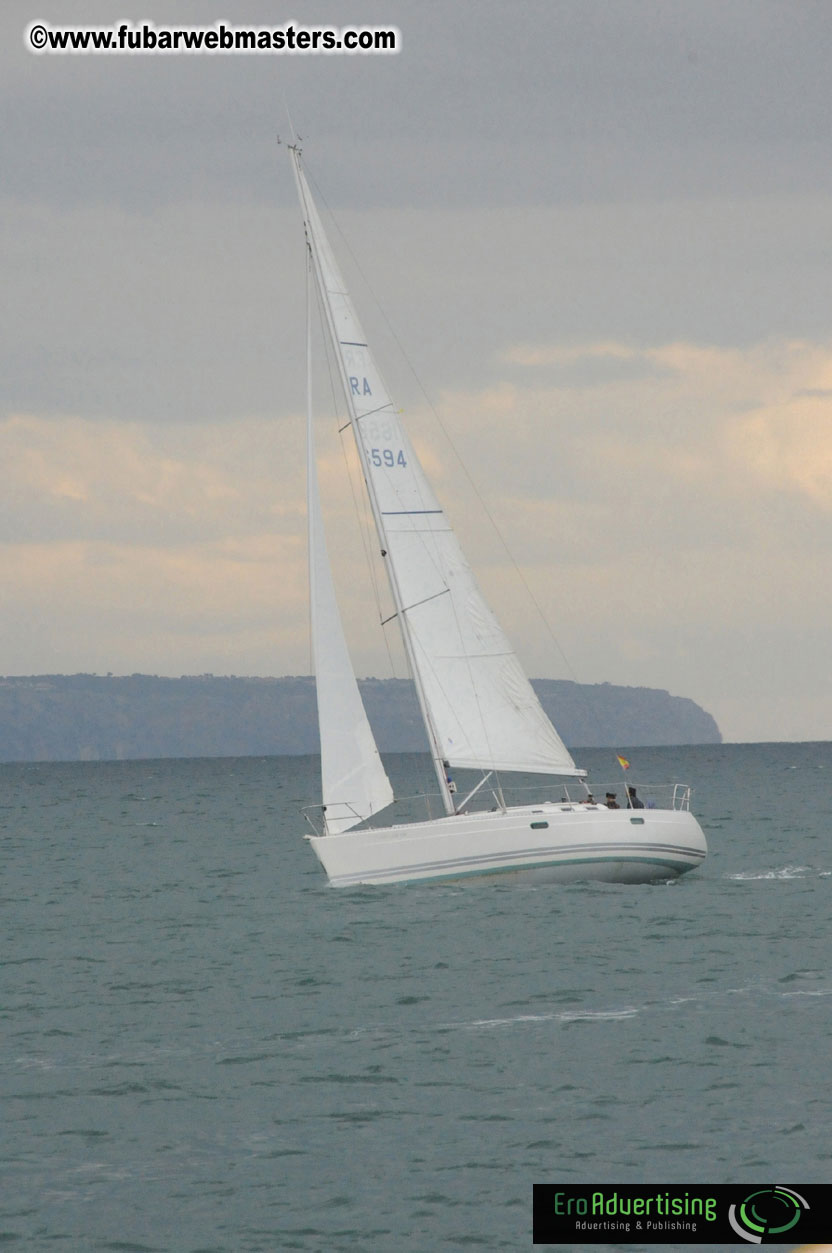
{"type": "Point", "coordinates": [353, 781]}
{"type": "Point", "coordinates": [480, 708]}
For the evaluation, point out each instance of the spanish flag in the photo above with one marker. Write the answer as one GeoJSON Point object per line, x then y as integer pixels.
{"type": "Point", "coordinates": [623, 762]}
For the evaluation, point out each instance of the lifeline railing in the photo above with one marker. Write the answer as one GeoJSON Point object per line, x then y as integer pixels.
{"type": "Point", "coordinates": [652, 796]}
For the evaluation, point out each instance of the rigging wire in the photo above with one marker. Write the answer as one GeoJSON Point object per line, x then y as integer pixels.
{"type": "Point", "coordinates": [308, 318]}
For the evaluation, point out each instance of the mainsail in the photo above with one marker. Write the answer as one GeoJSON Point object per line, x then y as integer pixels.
{"type": "Point", "coordinates": [480, 709]}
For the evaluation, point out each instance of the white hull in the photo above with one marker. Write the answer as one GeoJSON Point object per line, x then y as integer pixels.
{"type": "Point", "coordinates": [547, 843]}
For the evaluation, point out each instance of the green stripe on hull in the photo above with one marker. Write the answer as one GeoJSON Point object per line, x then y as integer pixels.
{"type": "Point", "coordinates": [676, 867]}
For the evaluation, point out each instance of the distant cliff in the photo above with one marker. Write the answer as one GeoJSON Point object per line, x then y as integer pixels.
{"type": "Point", "coordinates": [84, 717]}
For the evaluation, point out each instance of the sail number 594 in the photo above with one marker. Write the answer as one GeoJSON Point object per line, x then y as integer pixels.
{"type": "Point", "coordinates": [387, 457]}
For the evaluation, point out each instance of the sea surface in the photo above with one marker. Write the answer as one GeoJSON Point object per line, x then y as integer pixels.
{"type": "Point", "coordinates": [205, 1049]}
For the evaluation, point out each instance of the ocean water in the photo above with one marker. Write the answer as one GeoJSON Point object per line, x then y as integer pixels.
{"type": "Point", "coordinates": [205, 1049]}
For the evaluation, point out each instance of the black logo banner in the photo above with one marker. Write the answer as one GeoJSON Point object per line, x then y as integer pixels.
{"type": "Point", "coordinates": [694, 1213]}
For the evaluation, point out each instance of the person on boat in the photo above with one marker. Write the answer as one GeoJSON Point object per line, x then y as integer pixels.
{"type": "Point", "coordinates": [589, 799]}
{"type": "Point", "coordinates": [612, 803]}
{"type": "Point", "coordinates": [634, 801]}
{"type": "Point", "coordinates": [449, 778]}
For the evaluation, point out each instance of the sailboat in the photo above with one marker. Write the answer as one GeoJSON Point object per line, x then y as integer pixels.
{"type": "Point", "coordinates": [479, 709]}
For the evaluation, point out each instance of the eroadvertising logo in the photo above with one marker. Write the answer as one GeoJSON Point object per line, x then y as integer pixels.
{"type": "Point", "coordinates": [680, 1213]}
{"type": "Point", "coordinates": [769, 1212]}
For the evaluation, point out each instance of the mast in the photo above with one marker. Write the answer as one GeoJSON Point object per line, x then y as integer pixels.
{"type": "Point", "coordinates": [315, 242]}
{"type": "Point", "coordinates": [354, 784]}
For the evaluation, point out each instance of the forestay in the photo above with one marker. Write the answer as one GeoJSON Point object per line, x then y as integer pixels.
{"type": "Point", "coordinates": [481, 709]}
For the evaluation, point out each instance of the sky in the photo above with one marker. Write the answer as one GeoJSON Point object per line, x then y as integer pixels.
{"type": "Point", "coordinates": [590, 243]}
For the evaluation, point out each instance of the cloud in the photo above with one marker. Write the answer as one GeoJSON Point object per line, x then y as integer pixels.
{"type": "Point", "coordinates": [674, 524]}
{"type": "Point", "coordinates": [172, 315]}
{"type": "Point", "coordinates": [562, 354]}
{"type": "Point", "coordinates": [657, 519]}
{"type": "Point", "coordinates": [131, 481]}
{"type": "Point", "coordinates": [560, 103]}
{"type": "Point", "coordinates": [761, 414]}
{"type": "Point", "coordinates": [135, 546]}
{"type": "Point", "coordinates": [788, 446]}
{"type": "Point", "coordinates": [611, 268]}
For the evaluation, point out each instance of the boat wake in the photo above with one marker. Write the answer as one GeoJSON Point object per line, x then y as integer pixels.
{"type": "Point", "coordinates": [567, 1015]}
{"type": "Point", "coordinates": [784, 872]}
